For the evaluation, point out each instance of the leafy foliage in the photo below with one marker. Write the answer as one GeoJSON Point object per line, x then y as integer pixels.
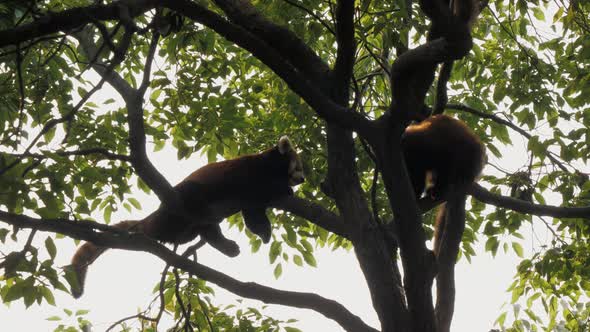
{"type": "Point", "coordinates": [529, 67]}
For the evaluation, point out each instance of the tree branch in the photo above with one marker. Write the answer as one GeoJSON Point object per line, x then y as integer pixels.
{"type": "Point", "coordinates": [318, 100]}
{"type": "Point", "coordinates": [65, 118]}
{"type": "Point", "coordinates": [314, 213]}
{"type": "Point", "coordinates": [270, 50]}
{"type": "Point", "coordinates": [447, 249]}
{"type": "Point", "coordinates": [485, 196]}
{"type": "Point", "coordinates": [372, 251]}
{"type": "Point", "coordinates": [417, 260]}
{"type": "Point", "coordinates": [417, 67]}
{"type": "Point", "coordinates": [497, 119]}
{"type": "Point", "coordinates": [84, 152]}
{"type": "Point", "coordinates": [85, 38]}
{"type": "Point", "coordinates": [145, 82]}
{"type": "Point", "coordinates": [285, 42]}
{"type": "Point", "coordinates": [441, 88]}
{"type": "Point", "coordinates": [346, 42]}
{"type": "Point", "coordinates": [312, 14]}
{"type": "Point", "coordinates": [73, 18]}
{"type": "Point", "coordinates": [134, 101]}
{"type": "Point", "coordinates": [138, 242]}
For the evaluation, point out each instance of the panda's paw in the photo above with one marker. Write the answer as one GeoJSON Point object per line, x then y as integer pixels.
{"type": "Point", "coordinates": [227, 247]}
{"type": "Point", "coordinates": [232, 249]}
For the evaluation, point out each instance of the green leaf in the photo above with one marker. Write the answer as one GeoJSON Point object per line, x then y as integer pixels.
{"type": "Point", "coordinates": [278, 271]}
{"type": "Point", "coordinates": [81, 312]}
{"type": "Point", "coordinates": [48, 295]}
{"type": "Point", "coordinates": [275, 251]}
{"type": "Point", "coordinates": [297, 260]}
{"type": "Point", "coordinates": [134, 202]}
{"type": "Point", "coordinates": [292, 329]}
{"type": "Point", "coordinates": [492, 245]}
{"type": "Point", "coordinates": [256, 245]}
{"type": "Point", "coordinates": [108, 211]}
{"type": "Point", "coordinates": [307, 245]}
{"type": "Point", "coordinates": [3, 233]}
{"type": "Point", "coordinates": [309, 259]}
{"type": "Point", "coordinates": [15, 292]}
{"type": "Point", "coordinates": [501, 319]}
{"type": "Point", "coordinates": [53, 318]}
{"type": "Point", "coordinates": [51, 249]}
{"type": "Point", "coordinates": [539, 14]}
{"type": "Point", "coordinates": [518, 249]}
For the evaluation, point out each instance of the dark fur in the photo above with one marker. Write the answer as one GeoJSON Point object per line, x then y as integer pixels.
{"type": "Point", "coordinates": [449, 150]}
{"type": "Point", "coordinates": [252, 180]}
{"type": "Point", "coordinates": [212, 193]}
{"type": "Point", "coordinates": [445, 146]}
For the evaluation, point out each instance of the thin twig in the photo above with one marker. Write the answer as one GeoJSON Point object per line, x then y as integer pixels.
{"type": "Point", "coordinates": [67, 117]}
{"type": "Point", "coordinates": [314, 15]}
{"type": "Point", "coordinates": [507, 123]}
{"type": "Point", "coordinates": [185, 313]}
{"type": "Point", "coordinates": [122, 320]}
{"type": "Point", "coordinates": [161, 294]}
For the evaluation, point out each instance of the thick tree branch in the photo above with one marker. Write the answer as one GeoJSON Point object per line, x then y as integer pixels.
{"type": "Point", "coordinates": [417, 67]}
{"type": "Point", "coordinates": [74, 18]}
{"type": "Point", "coordinates": [285, 42]}
{"type": "Point", "coordinates": [269, 54]}
{"type": "Point", "coordinates": [485, 196]}
{"type": "Point", "coordinates": [441, 88]}
{"type": "Point", "coordinates": [447, 249]}
{"type": "Point", "coordinates": [318, 100]}
{"type": "Point", "coordinates": [373, 252]}
{"type": "Point", "coordinates": [346, 42]}
{"type": "Point", "coordinates": [417, 260]}
{"type": "Point", "coordinates": [411, 76]}
{"type": "Point", "coordinates": [134, 101]}
{"type": "Point", "coordinates": [314, 213]}
{"type": "Point", "coordinates": [138, 242]}
{"type": "Point", "coordinates": [335, 224]}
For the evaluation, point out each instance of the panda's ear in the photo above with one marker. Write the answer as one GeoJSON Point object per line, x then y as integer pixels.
{"type": "Point", "coordinates": [285, 145]}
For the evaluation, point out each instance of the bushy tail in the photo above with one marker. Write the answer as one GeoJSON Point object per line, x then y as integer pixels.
{"type": "Point", "coordinates": [439, 226]}
{"type": "Point", "coordinates": [89, 252]}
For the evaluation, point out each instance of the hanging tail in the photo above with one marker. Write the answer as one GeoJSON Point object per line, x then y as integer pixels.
{"type": "Point", "coordinates": [88, 252]}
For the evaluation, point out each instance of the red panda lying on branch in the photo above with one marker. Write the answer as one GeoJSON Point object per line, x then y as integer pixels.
{"type": "Point", "coordinates": [441, 154]}
{"type": "Point", "coordinates": [214, 192]}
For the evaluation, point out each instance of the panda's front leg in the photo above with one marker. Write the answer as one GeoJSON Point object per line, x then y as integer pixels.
{"type": "Point", "coordinates": [257, 222]}
{"type": "Point", "coordinates": [213, 235]}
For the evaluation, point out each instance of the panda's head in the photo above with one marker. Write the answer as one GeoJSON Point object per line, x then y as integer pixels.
{"type": "Point", "coordinates": [295, 166]}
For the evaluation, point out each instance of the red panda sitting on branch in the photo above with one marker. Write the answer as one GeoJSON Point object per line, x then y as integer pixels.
{"type": "Point", "coordinates": [441, 154]}
{"type": "Point", "coordinates": [214, 192]}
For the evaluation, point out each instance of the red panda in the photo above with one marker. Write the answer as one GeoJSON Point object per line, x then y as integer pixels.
{"type": "Point", "coordinates": [215, 191]}
{"type": "Point", "coordinates": [441, 153]}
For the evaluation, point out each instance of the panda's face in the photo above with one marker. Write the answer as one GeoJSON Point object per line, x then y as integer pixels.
{"type": "Point", "coordinates": [295, 171]}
